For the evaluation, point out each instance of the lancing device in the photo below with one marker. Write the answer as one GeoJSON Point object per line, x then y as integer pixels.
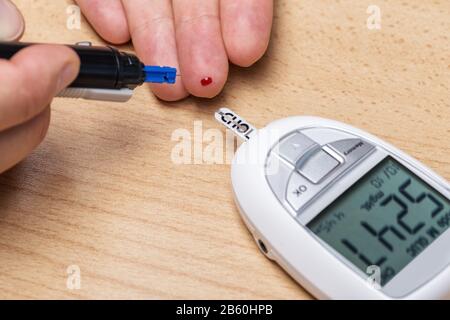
{"type": "Point", "coordinates": [106, 73]}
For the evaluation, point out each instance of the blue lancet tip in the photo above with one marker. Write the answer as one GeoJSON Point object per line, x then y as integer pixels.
{"type": "Point", "coordinates": [156, 74]}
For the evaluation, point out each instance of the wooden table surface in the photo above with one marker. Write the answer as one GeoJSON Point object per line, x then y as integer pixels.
{"type": "Point", "coordinates": [102, 192]}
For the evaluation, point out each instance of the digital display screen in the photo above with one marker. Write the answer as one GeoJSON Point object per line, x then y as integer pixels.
{"type": "Point", "coordinates": [385, 219]}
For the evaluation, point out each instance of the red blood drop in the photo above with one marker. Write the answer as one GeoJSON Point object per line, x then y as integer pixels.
{"type": "Point", "coordinates": [206, 81]}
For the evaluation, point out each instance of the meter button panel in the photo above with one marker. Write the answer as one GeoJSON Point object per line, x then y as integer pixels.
{"type": "Point", "coordinates": [318, 166]}
{"type": "Point", "coordinates": [296, 146]}
{"type": "Point", "coordinates": [300, 191]}
{"type": "Point", "coordinates": [352, 150]}
{"type": "Point", "coordinates": [299, 168]}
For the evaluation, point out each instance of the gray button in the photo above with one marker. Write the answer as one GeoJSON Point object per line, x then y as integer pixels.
{"type": "Point", "coordinates": [325, 136]}
{"type": "Point", "coordinates": [352, 150]}
{"type": "Point", "coordinates": [318, 166]}
{"type": "Point", "coordinates": [295, 146]}
{"type": "Point", "coordinates": [299, 191]}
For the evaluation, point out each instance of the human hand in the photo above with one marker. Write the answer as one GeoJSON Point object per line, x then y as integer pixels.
{"type": "Point", "coordinates": [197, 37]}
{"type": "Point", "coordinates": [28, 83]}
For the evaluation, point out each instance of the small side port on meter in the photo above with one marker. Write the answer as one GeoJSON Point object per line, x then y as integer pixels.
{"type": "Point", "coordinates": [262, 246]}
{"type": "Point", "coordinates": [264, 249]}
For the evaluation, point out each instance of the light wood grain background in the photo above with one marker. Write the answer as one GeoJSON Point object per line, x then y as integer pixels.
{"type": "Point", "coordinates": [102, 193]}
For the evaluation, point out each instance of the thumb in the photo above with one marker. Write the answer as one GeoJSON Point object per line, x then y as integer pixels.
{"type": "Point", "coordinates": [12, 24]}
{"type": "Point", "coordinates": [31, 79]}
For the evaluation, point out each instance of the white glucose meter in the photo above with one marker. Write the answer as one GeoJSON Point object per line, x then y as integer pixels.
{"type": "Point", "coordinates": [346, 214]}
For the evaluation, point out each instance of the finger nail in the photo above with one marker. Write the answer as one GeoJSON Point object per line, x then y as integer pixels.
{"type": "Point", "coordinates": [67, 75]}
{"type": "Point", "coordinates": [11, 21]}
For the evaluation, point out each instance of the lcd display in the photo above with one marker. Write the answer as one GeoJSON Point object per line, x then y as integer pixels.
{"type": "Point", "coordinates": [386, 219]}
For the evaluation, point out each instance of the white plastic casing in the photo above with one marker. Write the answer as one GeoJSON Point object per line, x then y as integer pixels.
{"type": "Point", "coordinates": [292, 245]}
{"type": "Point", "coordinates": [111, 95]}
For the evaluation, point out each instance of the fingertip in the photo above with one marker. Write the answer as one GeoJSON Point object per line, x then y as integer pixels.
{"type": "Point", "coordinates": [245, 52]}
{"type": "Point", "coordinates": [70, 59]}
{"type": "Point", "coordinates": [108, 20]}
{"type": "Point", "coordinates": [169, 93]}
{"type": "Point", "coordinates": [203, 59]}
{"type": "Point", "coordinates": [206, 84]}
{"type": "Point", "coordinates": [62, 65]}
{"type": "Point", "coordinates": [38, 73]}
{"type": "Point", "coordinates": [54, 54]}
{"type": "Point", "coordinates": [246, 29]}
{"type": "Point", "coordinates": [203, 64]}
{"type": "Point", "coordinates": [115, 36]}
{"type": "Point", "coordinates": [72, 66]}
{"type": "Point", "coordinates": [12, 24]}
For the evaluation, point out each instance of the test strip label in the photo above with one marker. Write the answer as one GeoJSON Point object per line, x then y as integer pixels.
{"type": "Point", "coordinates": [235, 123]}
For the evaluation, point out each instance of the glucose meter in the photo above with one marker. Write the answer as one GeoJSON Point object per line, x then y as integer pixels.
{"type": "Point", "coordinates": [346, 214]}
